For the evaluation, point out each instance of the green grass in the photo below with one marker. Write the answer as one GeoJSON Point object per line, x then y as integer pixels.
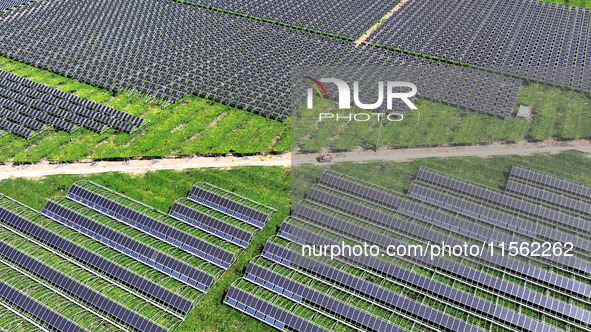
{"type": "Point", "coordinates": [557, 113]}
{"type": "Point", "coordinates": [576, 3]}
{"type": "Point", "coordinates": [191, 126]}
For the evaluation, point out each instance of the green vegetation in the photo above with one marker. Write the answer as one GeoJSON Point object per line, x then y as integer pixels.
{"type": "Point", "coordinates": [576, 3]}
{"type": "Point", "coordinates": [191, 126]}
{"type": "Point", "coordinates": [556, 113]}
{"type": "Point", "coordinates": [267, 185]}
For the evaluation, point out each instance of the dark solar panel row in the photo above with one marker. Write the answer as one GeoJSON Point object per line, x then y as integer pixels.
{"type": "Point", "coordinates": [65, 104]}
{"type": "Point", "coordinates": [52, 110]}
{"type": "Point", "coordinates": [428, 236]}
{"type": "Point", "coordinates": [548, 180]}
{"type": "Point", "coordinates": [97, 262]}
{"type": "Point", "coordinates": [71, 286]}
{"type": "Point", "coordinates": [22, 120]}
{"type": "Point", "coordinates": [530, 38]}
{"type": "Point", "coordinates": [228, 206]}
{"type": "Point", "coordinates": [349, 18]}
{"type": "Point", "coordinates": [247, 63]}
{"type": "Point", "coordinates": [302, 293]}
{"type": "Point", "coordinates": [465, 228]}
{"type": "Point", "coordinates": [38, 115]}
{"type": "Point", "coordinates": [573, 223]}
{"type": "Point", "coordinates": [210, 224]}
{"type": "Point", "coordinates": [386, 297]}
{"type": "Point", "coordinates": [495, 218]}
{"type": "Point", "coordinates": [430, 286]}
{"type": "Point", "coordinates": [128, 246]}
{"type": "Point", "coordinates": [549, 197]}
{"type": "Point", "coordinates": [16, 129]}
{"type": "Point", "coordinates": [148, 225]}
{"type": "Point", "coordinates": [39, 311]}
{"type": "Point", "coordinates": [89, 104]}
{"type": "Point", "coordinates": [7, 4]}
{"type": "Point", "coordinates": [268, 313]}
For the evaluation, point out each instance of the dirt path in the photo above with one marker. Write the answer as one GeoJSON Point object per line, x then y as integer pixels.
{"type": "Point", "coordinates": [368, 33]}
{"type": "Point", "coordinates": [138, 166]}
{"type": "Point", "coordinates": [495, 149]}
{"type": "Point", "coordinates": [142, 166]}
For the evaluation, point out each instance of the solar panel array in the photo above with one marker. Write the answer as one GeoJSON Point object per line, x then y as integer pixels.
{"type": "Point", "coordinates": [26, 107]}
{"type": "Point", "coordinates": [348, 18]}
{"type": "Point", "coordinates": [144, 46]}
{"type": "Point", "coordinates": [7, 4]}
{"type": "Point", "coordinates": [106, 255]}
{"type": "Point", "coordinates": [530, 38]}
{"type": "Point", "coordinates": [342, 209]}
{"type": "Point", "coordinates": [553, 182]}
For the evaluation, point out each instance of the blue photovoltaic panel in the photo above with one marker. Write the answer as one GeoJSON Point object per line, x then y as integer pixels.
{"type": "Point", "coordinates": [496, 218]}
{"type": "Point", "coordinates": [549, 197]}
{"type": "Point", "coordinates": [37, 310]}
{"type": "Point", "coordinates": [128, 246]}
{"type": "Point", "coordinates": [210, 224]}
{"type": "Point", "coordinates": [37, 115]}
{"type": "Point", "coordinates": [97, 262]}
{"type": "Point", "coordinates": [300, 292]}
{"type": "Point", "coordinates": [268, 312]}
{"type": "Point", "coordinates": [464, 272]}
{"type": "Point", "coordinates": [469, 229]}
{"type": "Point", "coordinates": [424, 284]}
{"type": "Point", "coordinates": [551, 181]}
{"type": "Point", "coordinates": [175, 237]}
{"type": "Point", "coordinates": [228, 206]}
{"type": "Point", "coordinates": [71, 286]}
{"type": "Point", "coordinates": [565, 220]}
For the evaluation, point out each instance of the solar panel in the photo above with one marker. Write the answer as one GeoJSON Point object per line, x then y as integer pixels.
{"type": "Point", "coordinates": [37, 310]}
{"type": "Point", "coordinates": [95, 261]}
{"type": "Point", "coordinates": [228, 206]}
{"type": "Point", "coordinates": [268, 313]}
{"type": "Point", "coordinates": [473, 33]}
{"type": "Point", "coordinates": [496, 218]}
{"type": "Point", "coordinates": [247, 64]}
{"type": "Point", "coordinates": [157, 260]}
{"type": "Point", "coordinates": [549, 197]}
{"type": "Point", "coordinates": [468, 229]}
{"type": "Point", "coordinates": [76, 289]}
{"type": "Point", "coordinates": [499, 199]}
{"type": "Point", "coordinates": [430, 286]}
{"type": "Point", "coordinates": [151, 226]}
{"type": "Point", "coordinates": [382, 295]}
{"type": "Point", "coordinates": [7, 4]}
{"type": "Point", "coordinates": [300, 292]}
{"type": "Point", "coordinates": [38, 115]}
{"type": "Point", "coordinates": [552, 181]}
{"type": "Point", "coordinates": [428, 236]}
{"type": "Point", "coordinates": [210, 224]}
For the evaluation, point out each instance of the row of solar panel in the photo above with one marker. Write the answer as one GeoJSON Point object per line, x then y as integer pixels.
{"type": "Point", "coordinates": [381, 295]}
{"type": "Point", "coordinates": [95, 261]}
{"type": "Point", "coordinates": [549, 197]}
{"type": "Point", "coordinates": [551, 181]}
{"type": "Point", "coordinates": [464, 228]}
{"type": "Point", "coordinates": [494, 217]}
{"type": "Point", "coordinates": [228, 206]}
{"type": "Point", "coordinates": [210, 224]}
{"type": "Point", "coordinates": [99, 108]}
{"type": "Point", "coordinates": [153, 227]}
{"type": "Point", "coordinates": [268, 313]}
{"type": "Point", "coordinates": [76, 289]}
{"type": "Point", "coordinates": [506, 201]}
{"type": "Point", "coordinates": [448, 294]}
{"type": "Point", "coordinates": [138, 251]}
{"type": "Point", "coordinates": [300, 292]}
{"type": "Point", "coordinates": [428, 236]}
